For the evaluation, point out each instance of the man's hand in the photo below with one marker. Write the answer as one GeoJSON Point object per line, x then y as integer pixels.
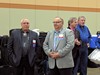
{"type": "Point", "coordinates": [54, 55]}
{"type": "Point", "coordinates": [51, 54]}
{"type": "Point", "coordinates": [88, 45]}
{"type": "Point", "coordinates": [77, 42]}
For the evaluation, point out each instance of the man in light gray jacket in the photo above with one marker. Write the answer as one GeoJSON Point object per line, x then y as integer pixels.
{"type": "Point", "coordinates": [58, 46]}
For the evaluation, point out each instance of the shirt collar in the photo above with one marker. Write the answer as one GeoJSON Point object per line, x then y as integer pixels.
{"type": "Point", "coordinates": [24, 31]}
{"type": "Point", "coordinates": [73, 29]}
{"type": "Point", "coordinates": [81, 26]}
{"type": "Point", "coordinates": [58, 31]}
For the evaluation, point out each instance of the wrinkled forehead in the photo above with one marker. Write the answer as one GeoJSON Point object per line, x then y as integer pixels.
{"type": "Point", "coordinates": [24, 20]}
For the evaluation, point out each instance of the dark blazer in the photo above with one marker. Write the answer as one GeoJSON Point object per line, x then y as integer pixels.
{"type": "Point", "coordinates": [76, 48]}
{"type": "Point", "coordinates": [75, 51]}
{"type": "Point", "coordinates": [15, 47]}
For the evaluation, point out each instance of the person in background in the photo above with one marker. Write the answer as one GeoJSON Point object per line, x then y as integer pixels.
{"type": "Point", "coordinates": [72, 23]}
{"type": "Point", "coordinates": [85, 36]}
{"type": "Point", "coordinates": [58, 47]}
{"type": "Point", "coordinates": [22, 46]}
{"type": "Point", "coordinates": [98, 40]}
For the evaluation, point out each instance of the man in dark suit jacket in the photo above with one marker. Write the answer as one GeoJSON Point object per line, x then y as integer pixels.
{"type": "Point", "coordinates": [22, 47]}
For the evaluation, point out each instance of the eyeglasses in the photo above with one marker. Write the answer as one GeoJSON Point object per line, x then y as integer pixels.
{"type": "Point", "coordinates": [26, 23]}
{"type": "Point", "coordinates": [57, 22]}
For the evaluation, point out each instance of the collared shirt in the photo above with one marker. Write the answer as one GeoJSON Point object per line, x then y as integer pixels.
{"type": "Point", "coordinates": [84, 33]}
{"type": "Point", "coordinates": [56, 38]}
{"type": "Point", "coordinates": [25, 42]}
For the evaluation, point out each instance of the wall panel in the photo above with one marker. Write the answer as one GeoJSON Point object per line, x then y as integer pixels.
{"type": "Point", "coordinates": [42, 12]}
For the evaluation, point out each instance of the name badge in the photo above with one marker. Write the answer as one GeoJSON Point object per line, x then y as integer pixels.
{"type": "Point", "coordinates": [61, 35]}
{"type": "Point", "coordinates": [34, 43]}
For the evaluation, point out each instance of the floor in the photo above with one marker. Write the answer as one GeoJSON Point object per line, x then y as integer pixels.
{"type": "Point", "coordinates": [93, 71]}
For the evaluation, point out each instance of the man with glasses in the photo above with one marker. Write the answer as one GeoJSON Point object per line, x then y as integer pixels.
{"type": "Point", "coordinates": [58, 46]}
{"type": "Point", "coordinates": [22, 46]}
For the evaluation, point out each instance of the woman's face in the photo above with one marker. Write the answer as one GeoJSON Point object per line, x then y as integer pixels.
{"type": "Point", "coordinates": [74, 23]}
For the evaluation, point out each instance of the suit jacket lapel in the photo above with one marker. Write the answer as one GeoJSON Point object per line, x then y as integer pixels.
{"type": "Point", "coordinates": [20, 35]}
{"type": "Point", "coordinates": [52, 40]}
{"type": "Point", "coordinates": [30, 38]}
{"type": "Point", "coordinates": [58, 40]}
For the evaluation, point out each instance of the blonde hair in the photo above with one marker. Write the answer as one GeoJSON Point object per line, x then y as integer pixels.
{"type": "Point", "coordinates": [24, 20]}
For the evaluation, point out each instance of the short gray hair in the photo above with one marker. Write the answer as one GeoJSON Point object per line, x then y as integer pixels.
{"type": "Point", "coordinates": [81, 17]}
{"type": "Point", "coordinates": [60, 19]}
{"type": "Point", "coordinates": [24, 19]}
